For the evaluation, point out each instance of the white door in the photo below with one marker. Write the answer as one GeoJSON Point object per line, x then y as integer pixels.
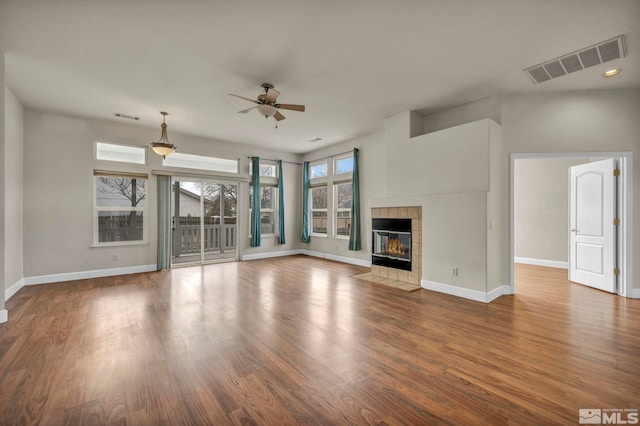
{"type": "Point", "coordinates": [592, 233]}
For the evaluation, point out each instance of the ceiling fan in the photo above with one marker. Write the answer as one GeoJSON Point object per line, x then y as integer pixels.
{"type": "Point", "coordinates": [266, 103]}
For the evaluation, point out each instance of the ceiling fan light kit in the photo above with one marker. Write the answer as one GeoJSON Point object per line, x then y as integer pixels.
{"type": "Point", "coordinates": [163, 147]}
{"type": "Point", "coordinates": [266, 103]}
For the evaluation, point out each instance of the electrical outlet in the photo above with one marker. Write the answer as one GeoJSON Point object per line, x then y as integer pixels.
{"type": "Point", "coordinates": [454, 271]}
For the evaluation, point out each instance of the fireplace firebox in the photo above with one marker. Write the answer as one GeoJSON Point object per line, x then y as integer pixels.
{"type": "Point", "coordinates": [391, 243]}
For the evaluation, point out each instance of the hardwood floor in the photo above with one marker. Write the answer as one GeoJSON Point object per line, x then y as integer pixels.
{"type": "Point", "coordinates": [298, 341]}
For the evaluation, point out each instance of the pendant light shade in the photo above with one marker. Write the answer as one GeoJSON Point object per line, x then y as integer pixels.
{"type": "Point", "coordinates": [163, 147]}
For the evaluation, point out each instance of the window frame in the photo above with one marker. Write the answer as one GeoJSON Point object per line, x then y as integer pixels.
{"type": "Point", "coordinates": [312, 209]}
{"type": "Point", "coordinates": [97, 209]}
{"type": "Point", "coordinates": [317, 163]}
{"type": "Point", "coordinates": [142, 149]}
{"type": "Point", "coordinates": [263, 178]}
{"type": "Point", "coordinates": [337, 209]}
{"type": "Point", "coordinates": [166, 162]}
{"type": "Point", "coordinates": [335, 164]}
{"type": "Point", "coordinates": [331, 180]}
{"type": "Point", "coordinates": [271, 182]}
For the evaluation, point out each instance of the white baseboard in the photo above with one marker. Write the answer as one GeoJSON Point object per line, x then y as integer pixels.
{"type": "Point", "coordinates": [83, 275]}
{"type": "Point", "coordinates": [635, 293]}
{"type": "Point", "coordinates": [268, 255]}
{"type": "Point", "coordinates": [4, 316]}
{"type": "Point", "coordinates": [478, 296]}
{"type": "Point", "coordinates": [542, 262]}
{"type": "Point", "coordinates": [13, 289]}
{"type": "Point", "coordinates": [343, 259]}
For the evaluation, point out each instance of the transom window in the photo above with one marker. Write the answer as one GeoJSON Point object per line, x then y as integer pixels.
{"type": "Point", "coordinates": [318, 170]}
{"type": "Point", "coordinates": [343, 165]}
{"type": "Point", "coordinates": [122, 153]}
{"type": "Point", "coordinates": [200, 162]}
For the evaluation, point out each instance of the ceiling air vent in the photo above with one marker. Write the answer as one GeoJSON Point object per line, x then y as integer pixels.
{"type": "Point", "coordinates": [580, 59]}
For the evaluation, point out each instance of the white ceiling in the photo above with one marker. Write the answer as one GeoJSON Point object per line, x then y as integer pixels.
{"type": "Point", "coordinates": [351, 62]}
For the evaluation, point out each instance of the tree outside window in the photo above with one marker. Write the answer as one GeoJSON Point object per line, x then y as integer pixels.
{"type": "Point", "coordinates": [319, 210]}
{"type": "Point", "coordinates": [343, 200]}
{"type": "Point", "coordinates": [267, 208]}
{"type": "Point", "coordinates": [120, 203]}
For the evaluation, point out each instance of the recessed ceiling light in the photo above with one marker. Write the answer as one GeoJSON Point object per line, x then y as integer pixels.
{"type": "Point", "coordinates": [612, 72]}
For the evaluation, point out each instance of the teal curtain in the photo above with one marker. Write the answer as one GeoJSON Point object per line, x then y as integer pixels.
{"type": "Point", "coordinates": [305, 202]}
{"type": "Point", "coordinates": [280, 204]}
{"type": "Point", "coordinates": [354, 233]}
{"type": "Point", "coordinates": [164, 222]}
{"type": "Point", "coordinates": [256, 227]}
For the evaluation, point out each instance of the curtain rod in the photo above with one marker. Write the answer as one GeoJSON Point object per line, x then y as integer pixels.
{"type": "Point", "coordinates": [330, 156]}
{"type": "Point", "coordinates": [275, 161]}
{"type": "Point", "coordinates": [311, 161]}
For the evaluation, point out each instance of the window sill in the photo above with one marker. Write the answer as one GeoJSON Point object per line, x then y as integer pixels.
{"type": "Point", "coordinates": [318, 235]}
{"type": "Point", "coordinates": [119, 244]}
{"type": "Point", "coordinates": [341, 237]}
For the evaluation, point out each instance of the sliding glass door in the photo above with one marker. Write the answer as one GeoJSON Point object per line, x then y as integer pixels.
{"type": "Point", "coordinates": [204, 221]}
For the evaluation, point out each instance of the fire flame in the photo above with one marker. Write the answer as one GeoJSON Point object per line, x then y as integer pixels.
{"type": "Point", "coordinates": [396, 247]}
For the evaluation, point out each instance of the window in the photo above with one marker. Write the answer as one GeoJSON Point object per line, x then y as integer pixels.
{"type": "Point", "coordinates": [343, 165]}
{"type": "Point", "coordinates": [190, 161]}
{"type": "Point", "coordinates": [266, 169]}
{"type": "Point", "coordinates": [318, 170]}
{"type": "Point", "coordinates": [268, 191]}
{"type": "Point", "coordinates": [120, 201]}
{"type": "Point", "coordinates": [343, 193]}
{"type": "Point", "coordinates": [331, 196]}
{"type": "Point", "coordinates": [267, 208]}
{"type": "Point", "coordinates": [319, 210]}
{"type": "Point", "coordinates": [121, 153]}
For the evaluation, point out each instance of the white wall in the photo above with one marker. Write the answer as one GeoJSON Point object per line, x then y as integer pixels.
{"type": "Point", "coordinates": [13, 222]}
{"type": "Point", "coordinates": [488, 107]}
{"type": "Point", "coordinates": [579, 121]}
{"type": "Point", "coordinates": [462, 179]}
{"type": "Point", "coordinates": [58, 191]}
{"type": "Point", "coordinates": [541, 208]}
{"type": "Point", "coordinates": [449, 173]}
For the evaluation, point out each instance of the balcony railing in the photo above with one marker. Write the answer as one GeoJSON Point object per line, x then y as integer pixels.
{"type": "Point", "coordinates": [217, 239]}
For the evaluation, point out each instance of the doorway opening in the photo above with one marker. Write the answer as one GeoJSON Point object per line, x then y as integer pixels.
{"type": "Point", "coordinates": [544, 240]}
{"type": "Point", "coordinates": [204, 221]}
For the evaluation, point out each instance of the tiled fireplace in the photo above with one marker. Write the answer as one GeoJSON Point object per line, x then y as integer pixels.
{"type": "Point", "coordinates": [397, 243]}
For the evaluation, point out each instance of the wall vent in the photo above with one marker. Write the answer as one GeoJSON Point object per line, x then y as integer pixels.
{"type": "Point", "coordinates": [580, 59]}
{"type": "Point", "coordinates": [128, 117]}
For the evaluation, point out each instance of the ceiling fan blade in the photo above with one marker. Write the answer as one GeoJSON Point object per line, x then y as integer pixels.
{"type": "Point", "coordinates": [278, 116]}
{"type": "Point", "coordinates": [291, 107]}
{"type": "Point", "coordinates": [244, 111]}
{"type": "Point", "coordinates": [242, 97]}
{"type": "Point", "coordinates": [271, 95]}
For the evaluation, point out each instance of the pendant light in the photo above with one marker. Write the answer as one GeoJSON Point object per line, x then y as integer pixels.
{"type": "Point", "coordinates": [163, 147]}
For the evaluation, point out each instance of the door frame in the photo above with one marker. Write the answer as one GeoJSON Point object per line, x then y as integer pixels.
{"type": "Point", "coordinates": [202, 179]}
{"type": "Point", "coordinates": [625, 212]}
